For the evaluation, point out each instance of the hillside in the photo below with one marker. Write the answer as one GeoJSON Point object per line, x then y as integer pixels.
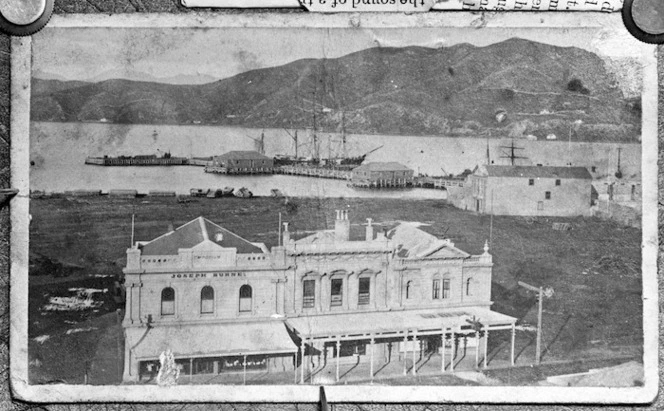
{"type": "Point", "coordinates": [455, 90]}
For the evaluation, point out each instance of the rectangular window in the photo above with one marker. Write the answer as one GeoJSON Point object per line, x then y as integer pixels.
{"type": "Point", "coordinates": [308, 293]}
{"type": "Point", "coordinates": [446, 288]}
{"type": "Point", "coordinates": [245, 305]}
{"type": "Point", "coordinates": [531, 182]}
{"type": "Point", "coordinates": [207, 306]}
{"type": "Point", "coordinates": [593, 169]}
{"type": "Point", "coordinates": [557, 182]}
{"type": "Point", "coordinates": [336, 293]}
{"type": "Point", "coordinates": [364, 295]}
{"type": "Point", "coordinates": [167, 307]}
{"type": "Point", "coordinates": [547, 195]}
{"type": "Point", "coordinates": [436, 290]}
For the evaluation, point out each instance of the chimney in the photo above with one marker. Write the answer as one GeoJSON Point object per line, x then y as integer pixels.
{"type": "Point", "coordinates": [370, 232]}
{"type": "Point", "coordinates": [342, 226]}
{"type": "Point", "coordinates": [170, 227]}
{"type": "Point", "coordinates": [286, 234]}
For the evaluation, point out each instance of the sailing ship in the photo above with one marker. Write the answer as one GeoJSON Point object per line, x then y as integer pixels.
{"type": "Point", "coordinates": [337, 159]}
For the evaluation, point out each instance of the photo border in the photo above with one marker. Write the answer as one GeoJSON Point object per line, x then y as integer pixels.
{"type": "Point", "coordinates": [19, 237]}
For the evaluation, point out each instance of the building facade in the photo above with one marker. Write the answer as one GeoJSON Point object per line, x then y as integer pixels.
{"type": "Point", "coordinates": [242, 162]}
{"type": "Point", "coordinates": [222, 304]}
{"type": "Point", "coordinates": [530, 191]}
{"type": "Point", "coordinates": [376, 175]}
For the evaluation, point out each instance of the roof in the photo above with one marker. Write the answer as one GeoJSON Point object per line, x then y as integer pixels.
{"type": "Point", "coordinates": [322, 237]}
{"type": "Point", "coordinates": [412, 242]}
{"type": "Point", "coordinates": [382, 166]}
{"type": "Point", "coordinates": [432, 319]}
{"type": "Point", "coordinates": [539, 172]}
{"type": "Point", "coordinates": [247, 338]}
{"type": "Point", "coordinates": [195, 232]}
{"type": "Point", "coordinates": [243, 155]}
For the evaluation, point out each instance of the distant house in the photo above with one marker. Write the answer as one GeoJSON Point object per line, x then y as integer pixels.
{"type": "Point", "coordinates": [530, 190]}
{"type": "Point", "coordinates": [620, 191]}
{"type": "Point", "coordinates": [244, 162]}
{"type": "Point", "coordinates": [376, 175]}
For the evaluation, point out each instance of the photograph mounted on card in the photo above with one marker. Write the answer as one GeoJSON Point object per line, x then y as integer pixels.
{"type": "Point", "coordinates": [340, 6]}
{"type": "Point", "coordinates": [209, 203]}
{"type": "Point", "coordinates": [419, 6]}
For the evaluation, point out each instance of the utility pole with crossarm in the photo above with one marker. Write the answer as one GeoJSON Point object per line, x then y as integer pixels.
{"type": "Point", "coordinates": [541, 292]}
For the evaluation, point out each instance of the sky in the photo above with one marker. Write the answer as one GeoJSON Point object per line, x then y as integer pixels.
{"type": "Point", "coordinates": [85, 53]}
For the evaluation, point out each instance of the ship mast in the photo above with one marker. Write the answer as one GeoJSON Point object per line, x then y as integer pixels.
{"type": "Point", "coordinates": [619, 171]}
{"type": "Point", "coordinates": [511, 154]}
{"type": "Point", "coordinates": [316, 154]}
{"type": "Point", "coordinates": [344, 150]}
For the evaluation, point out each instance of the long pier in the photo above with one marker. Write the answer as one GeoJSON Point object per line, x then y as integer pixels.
{"type": "Point", "coordinates": [317, 172]}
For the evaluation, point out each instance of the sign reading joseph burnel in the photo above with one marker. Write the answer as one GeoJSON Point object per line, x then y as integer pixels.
{"type": "Point", "coordinates": [397, 204]}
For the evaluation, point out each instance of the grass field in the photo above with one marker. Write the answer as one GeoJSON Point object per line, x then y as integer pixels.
{"type": "Point", "coordinates": [594, 268]}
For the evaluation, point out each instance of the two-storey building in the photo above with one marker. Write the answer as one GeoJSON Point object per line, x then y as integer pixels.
{"type": "Point", "coordinates": [241, 162]}
{"type": "Point", "coordinates": [530, 190]}
{"type": "Point", "coordinates": [222, 303]}
{"type": "Point", "coordinates": [382, 174]}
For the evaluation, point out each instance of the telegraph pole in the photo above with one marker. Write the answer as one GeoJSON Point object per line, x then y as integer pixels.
{"type": "Point", "coordinates": [540, 297]}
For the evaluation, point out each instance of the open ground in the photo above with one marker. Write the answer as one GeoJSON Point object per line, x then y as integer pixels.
{"type": "Point", "coordinates": [594, 269]}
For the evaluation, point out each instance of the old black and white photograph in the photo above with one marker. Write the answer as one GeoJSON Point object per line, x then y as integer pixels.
{"type": "Point", "coordinates": [453, 204]}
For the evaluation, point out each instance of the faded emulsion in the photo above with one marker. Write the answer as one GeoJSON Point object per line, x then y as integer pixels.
{"type": "Point", "coordinates": [234, 210]}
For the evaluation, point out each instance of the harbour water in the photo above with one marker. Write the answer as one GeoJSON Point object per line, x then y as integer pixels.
{"type": "Point", "coordinates": [58, 152]}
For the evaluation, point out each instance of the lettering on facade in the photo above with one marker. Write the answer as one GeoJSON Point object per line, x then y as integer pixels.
{"type": "Point", "coordinates": [207, 275]}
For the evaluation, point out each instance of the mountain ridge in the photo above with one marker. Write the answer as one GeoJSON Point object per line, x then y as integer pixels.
{"type": "Point", "coordinates": [457, 90]}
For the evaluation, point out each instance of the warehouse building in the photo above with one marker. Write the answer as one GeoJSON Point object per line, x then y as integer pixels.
{"type": "Point", "coordinates": [241, 162]}
{"type": "Point", "coordinates": [224, 304]}
{"type": "Point", "coordinates": [380, 175]}
{"type": "Point", "coordinates": [530, 190]}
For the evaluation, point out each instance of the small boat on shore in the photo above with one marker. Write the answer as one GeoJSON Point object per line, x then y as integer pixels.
{"type": "Point", "coordinates": [243, 193]}
{"type": "Point", "coordinates": [198, 192]}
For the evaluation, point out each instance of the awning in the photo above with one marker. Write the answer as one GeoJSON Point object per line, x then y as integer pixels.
{"type": "Point", "coordinates": [390, 322]}
{"type": "Point", "coordinates": [205, 340]}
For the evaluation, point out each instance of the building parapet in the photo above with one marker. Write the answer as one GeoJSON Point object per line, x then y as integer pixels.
{"type": "Point", "coordinates": [351, 247]}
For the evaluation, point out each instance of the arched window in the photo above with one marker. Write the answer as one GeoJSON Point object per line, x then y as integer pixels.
{"type": "Point", "coordinates": [167, 301]}
{"type": "Point", "coordinates": [245, 298]}
{"type": "Point", "coordinates": [207, 300]}
{"type": "Point", "coordinates": [308, 293]}
{"type": "Point", "coordinates": [435, 288]}
{"type": "Point", "coordinates": [364, 291]}
{"type": "Point", "coordinates": [469, 283]}
{"type": "Point", "coordinates": [446, 288]}
{"type": "Point", "coordinates": [409, 290]}
{"type": "Point", "coordinates": [336, 292]}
